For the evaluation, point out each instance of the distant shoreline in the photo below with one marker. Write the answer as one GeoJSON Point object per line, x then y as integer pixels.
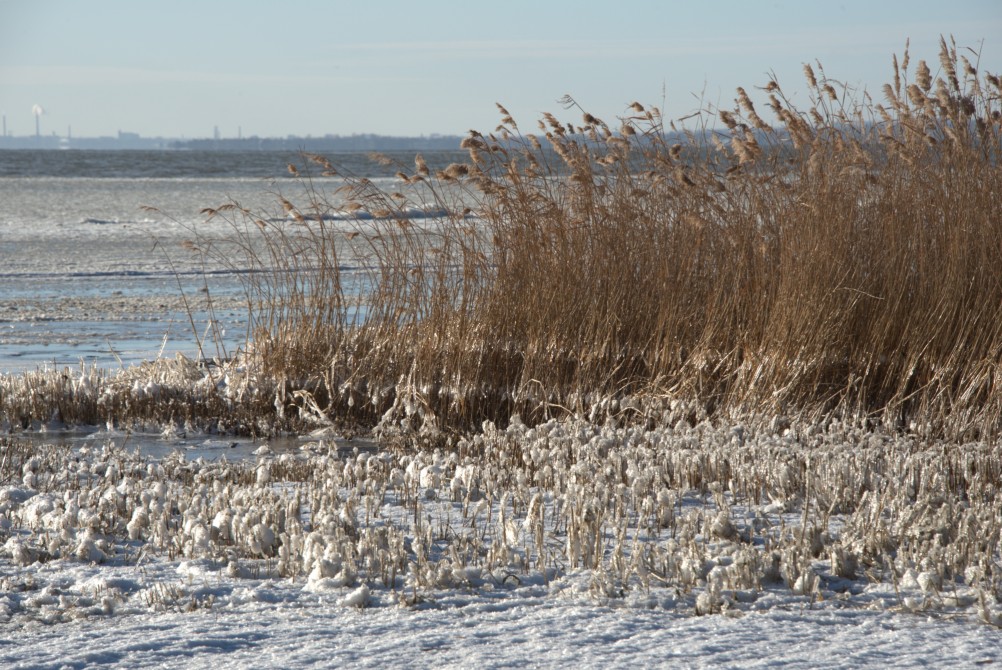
{"type": "Point", "coordinates": [133, 141]}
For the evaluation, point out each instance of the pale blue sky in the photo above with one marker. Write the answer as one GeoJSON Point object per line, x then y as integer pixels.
{"type": "Point", "coordinates": [410, 67]}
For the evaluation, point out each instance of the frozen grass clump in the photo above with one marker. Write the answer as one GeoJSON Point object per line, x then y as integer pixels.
{"type": "Point", "coordinates": [171, 395]}
{"type": "Point", "coordinates": [697, 519]}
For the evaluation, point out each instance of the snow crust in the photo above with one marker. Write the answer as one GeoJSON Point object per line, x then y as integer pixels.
{"type": "Point", "coordinates": [274, 625]}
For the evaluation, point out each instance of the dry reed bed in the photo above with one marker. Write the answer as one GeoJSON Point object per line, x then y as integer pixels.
{"type": "Point", "coordinates": [838, 261]}
{"type": "Point", "coordinates": [697, 519]}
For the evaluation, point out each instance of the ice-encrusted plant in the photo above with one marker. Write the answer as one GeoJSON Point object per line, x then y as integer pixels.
{"type": "Point", "coordinates": [702, 518]}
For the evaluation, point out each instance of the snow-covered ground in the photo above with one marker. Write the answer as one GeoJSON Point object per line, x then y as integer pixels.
{"type": "Point", "coordinates": [277, 626]}
{"type": "Point", "coordinates": [565, 545]}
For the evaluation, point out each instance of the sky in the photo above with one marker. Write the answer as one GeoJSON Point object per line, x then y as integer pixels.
{"type": "Point", "coordinates": [315, 67]}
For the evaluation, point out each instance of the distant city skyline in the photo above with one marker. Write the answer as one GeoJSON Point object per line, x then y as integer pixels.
{"type": "Point", "coordinates": [231, 68]}
{"type": "Point", "coordinates": [357, 142]}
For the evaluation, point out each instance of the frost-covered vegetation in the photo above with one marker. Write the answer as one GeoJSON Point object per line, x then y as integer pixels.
{"type": "Point", "coordinates": [696, 519]}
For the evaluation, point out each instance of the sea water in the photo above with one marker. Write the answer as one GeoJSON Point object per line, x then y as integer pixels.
{"type": "Point", "coordinates": [92, 264]}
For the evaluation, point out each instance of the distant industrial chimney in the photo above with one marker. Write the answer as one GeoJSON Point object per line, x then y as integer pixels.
{"type": "Point", "coordinates": [37, 111]}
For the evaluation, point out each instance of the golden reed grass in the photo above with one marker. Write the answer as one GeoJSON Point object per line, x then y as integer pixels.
{"type": "Point", "coordinates": [839, 261]}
